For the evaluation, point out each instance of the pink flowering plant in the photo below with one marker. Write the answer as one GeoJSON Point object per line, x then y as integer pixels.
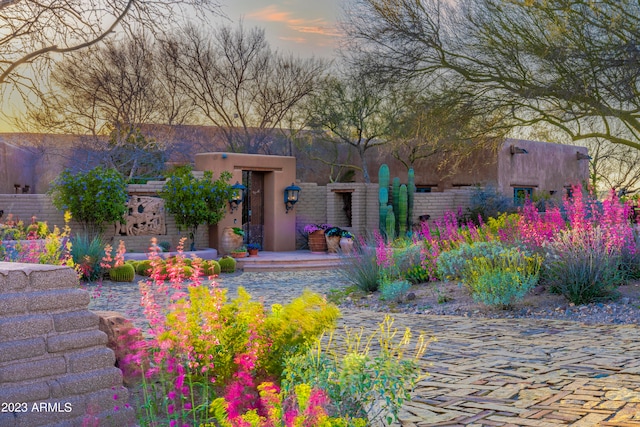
{"type": "Point", "coordinates": [40, 245]}
{"type": "Point", "coordinates": [204, 347]}
{"type": "Point", "coordinates": [552, 247]}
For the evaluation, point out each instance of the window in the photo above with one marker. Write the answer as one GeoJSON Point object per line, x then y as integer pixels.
{"type": "Point", "coordinates": [522, 194]}
{"type": "Point", "coordinates": [423, 189]}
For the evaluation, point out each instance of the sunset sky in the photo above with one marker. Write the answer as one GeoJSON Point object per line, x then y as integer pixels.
{"type": "Point", "coordinates": [303, 27]}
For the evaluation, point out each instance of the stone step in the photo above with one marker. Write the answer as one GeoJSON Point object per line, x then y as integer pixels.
{"type": "Point", "coordinates": [301, 260]}
{"type": "Point", "coordinates": [273, 266]}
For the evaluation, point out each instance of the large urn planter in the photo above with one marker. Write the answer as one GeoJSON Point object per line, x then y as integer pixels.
{"type": "Point", "coordinates": [230, 240]}
{"type": "Point", "coordinates": [346, 244]}
{"type": "Point", "coordinates": [333, 244]}
{"type": "Point", "coordinates": [317, 242]}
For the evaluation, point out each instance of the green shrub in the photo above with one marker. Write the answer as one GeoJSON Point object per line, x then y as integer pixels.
{"type": "Point", "coordinates": [87, 254]}
{"type": "Point", "coordinates": [165, 246]}
{"type": "Point", "coordinates": [194, 201]}
{"type": "Point", "coordinates": [144, 268]}
{"type": "Point", "coordinates": [94, 198]}
{"type": "Point", "coordinates": [360, 383]}
{"type": "Point", "coordinates": [122, 273]}
{"type": "Point", "coordinates": [494, 274]}
{"type": "Point", "coordinates": [452, 263]}
{"type": "Point", "coordinates": [488, 202]}
{"type": "Point", "coordinates": [227, 264]}
{"type": "Point", "coordinates": [395, 290]}
{"type": "Point", "coordinates": [361, 268]}
{"type": "Point", "coordinates": [288, 329]}
{"type": "Point", "coordinates": [416, 274]}
{"type": "Point", "coordinates": [409, 263]}
{"type": "Point", "coordinates": [581, 267]}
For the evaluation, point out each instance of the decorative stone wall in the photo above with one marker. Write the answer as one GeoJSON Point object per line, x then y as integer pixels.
{"type": "Point", "coordinates": [24, 206]}
{"type": "Point", "coordinates": [55, 368]}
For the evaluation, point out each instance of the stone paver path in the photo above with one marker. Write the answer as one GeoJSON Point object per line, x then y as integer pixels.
{"type": "Point", "coordinates": [487, 372]}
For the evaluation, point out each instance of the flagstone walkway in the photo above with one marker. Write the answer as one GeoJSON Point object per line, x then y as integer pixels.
{"type": "Point", "coordinates": [506, 372]}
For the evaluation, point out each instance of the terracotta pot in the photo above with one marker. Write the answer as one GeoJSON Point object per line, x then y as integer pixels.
{"type": "Point", "coordinates": [253, 252]}
{"type": "Point", "coordinates": [229, 241]}
{"type": "Point", "coordinates": [346, 244]}
{"type": "Point", "coordinates": [317, 242]}
{"type": "Point", "coordinates": [238, 254]}
{"type": "Point", "coordinates": [333, 244]}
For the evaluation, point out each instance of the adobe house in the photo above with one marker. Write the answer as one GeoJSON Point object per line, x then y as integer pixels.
{"type": "Point", "coordinates": [515, 168]}
{"type": "Point", "coordinates": [265, 177]}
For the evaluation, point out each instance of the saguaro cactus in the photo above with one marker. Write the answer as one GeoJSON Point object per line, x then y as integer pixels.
{"type": "Point", "coordinates": [395, 191]}
{"type": "Point", "coordinates": [400, 204]}
{"type": "Point", "coordinates": [383, 196]}
{"type": "Point", "coordinates": [411, 191]}
{"type": "Point", "coordinates": [391, 223]}
{"type": "Point", "coordinates": [402, 211]}
{"type": "Point", "coordinates": [383, 199]}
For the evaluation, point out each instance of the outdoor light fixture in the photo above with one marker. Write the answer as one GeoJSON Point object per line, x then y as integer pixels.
{"type": "Point", "coordinates": [237, 195]}
{"type": "Point", "coordinates": [582, 156]}
{"type": "Point", "coordinates": [518, 150]}
{"type": "Point", "coordinates": [291, 196]}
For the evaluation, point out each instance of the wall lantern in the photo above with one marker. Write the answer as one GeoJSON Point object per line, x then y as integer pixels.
{"type": "Point", "coordinates": [518, 150]}
{"type": "Point", "coordinates": [237, 195]}
{"type": "Point", "coordinates": [291, 196]}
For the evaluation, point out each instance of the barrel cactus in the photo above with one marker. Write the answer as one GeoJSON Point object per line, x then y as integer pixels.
{"type": "Point", "coordinates": [122, 273]}
{"type": "Point", "coordinates": [227, 264]}
{"type": "Point", "coordinates": [144, 268]}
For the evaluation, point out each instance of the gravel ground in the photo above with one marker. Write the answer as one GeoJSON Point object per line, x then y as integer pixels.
{"type": "Point", "coordinates": [539, 304]}
{"type": "Point", "coordinates": [281, 287]}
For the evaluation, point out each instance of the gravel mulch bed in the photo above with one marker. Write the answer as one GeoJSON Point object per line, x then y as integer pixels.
{"type": "Point", "coordinates": [447, 298]}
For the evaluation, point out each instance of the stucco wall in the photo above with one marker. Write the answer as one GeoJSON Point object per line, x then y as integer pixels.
{"type": "Point", "coordinates": [52, 352]}
{"type": "Point", "coordinates": [279, 173]}
{"type": "Point", "coordinates": [546, 167]}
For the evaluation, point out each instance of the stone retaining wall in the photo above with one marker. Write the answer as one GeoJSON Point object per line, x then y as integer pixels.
{"type": "Point", "coordinates": [55, 368]}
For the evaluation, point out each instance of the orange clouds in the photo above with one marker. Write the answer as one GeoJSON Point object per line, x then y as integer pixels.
{"type": "Point", "coordinates": [317, 26]}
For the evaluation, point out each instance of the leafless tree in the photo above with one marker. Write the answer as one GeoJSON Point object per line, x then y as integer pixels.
{"type": "Point", "coordinates": [355, 110]}
{"type": "Point", "coordinates": [437, 123]}
{"type": "Point", "coordinates": [239, 84]}
{"type": "Point", "coordinates": [34, 33]}
{"type": "Point", "coordinates": [566, 63]}
{"type": "Point", "coordinates": [107, 92]}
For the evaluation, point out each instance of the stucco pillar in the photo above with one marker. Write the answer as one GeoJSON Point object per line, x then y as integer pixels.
{"type": "Point", "coordinates": [279, 173]}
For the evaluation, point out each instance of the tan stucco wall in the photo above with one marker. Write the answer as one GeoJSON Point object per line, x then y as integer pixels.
{"type": "Point", "coordinates": [280, 172]}
{"type": "Point", "coordinates": [545, 167]}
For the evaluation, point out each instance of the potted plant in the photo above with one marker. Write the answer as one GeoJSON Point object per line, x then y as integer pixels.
{"type": "Point", "coordinates": [333, 235]}
{"type": "Point", "coordinates": [315, 234]}
{"type": "Point", "coordinates": [232, 237]}
{"type": "Point", "coordinates": [239, 252]}
{"type": "Point", "coordinates": [253, 249]}
{"type": "Point", "coordinates": [346, 242]}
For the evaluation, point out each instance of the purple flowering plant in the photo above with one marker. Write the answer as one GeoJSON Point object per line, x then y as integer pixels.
{"type": "Point", "coordinates": [311, 228]}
